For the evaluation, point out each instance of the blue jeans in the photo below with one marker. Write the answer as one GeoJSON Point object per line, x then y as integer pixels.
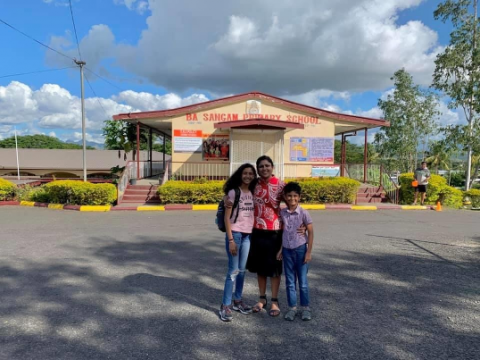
{"type": "Point", "coordinates": [295, 269]}
{"type": "Point", "coordinates": [236, 267]}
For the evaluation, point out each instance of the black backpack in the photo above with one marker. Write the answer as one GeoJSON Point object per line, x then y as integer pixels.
{"type": "Point", "coordinates": [220, 219]}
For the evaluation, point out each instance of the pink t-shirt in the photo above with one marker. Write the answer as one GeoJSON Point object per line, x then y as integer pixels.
{"type": "Point", "coordinates": [245, 208]}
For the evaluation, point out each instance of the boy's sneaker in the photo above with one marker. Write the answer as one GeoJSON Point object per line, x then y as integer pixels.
{"type": "Point", "coordinates": [242, 307]}
{"type": "Point", "coordinates": [225, 313]}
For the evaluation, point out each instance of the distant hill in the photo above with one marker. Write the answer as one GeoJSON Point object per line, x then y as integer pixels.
{"type": "Point", "coordinates": [90, 144]}
{"type": "Point", "coordinates": [40, 142]}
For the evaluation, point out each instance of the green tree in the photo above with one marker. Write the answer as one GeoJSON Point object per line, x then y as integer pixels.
{"type": "Point", "coordinates": [39, 142]}
{"type": "Point", "coordinates": [121, 135]}
{"type": "Point", "coordinates": [412, 113]}
{"type": "Point", "coordinates": [354, 153]}
{"type": "Point", "coordinates": [457, 74]}
{"type": "Point", "coordinates": [438, 156]}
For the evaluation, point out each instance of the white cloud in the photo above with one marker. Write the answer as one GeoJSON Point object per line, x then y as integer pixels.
{"type": "Point", "coordinates": [77, 136]}
{"type": "Point", "coordinates": [277, 46]}
{"type": "Point", "coordinates": [147, 101]}
{"type": "Point", "coordinates": [53, 107]}
{"type": "Point", "coordinates": [314, 97]}
{"type": "Point", "coordinates": [139, 6]}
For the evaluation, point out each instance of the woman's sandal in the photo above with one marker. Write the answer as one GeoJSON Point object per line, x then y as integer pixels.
{"type": "Point", "coordinates": [260, 305]}
{"type": "Point", "coordinates": [274, 312]}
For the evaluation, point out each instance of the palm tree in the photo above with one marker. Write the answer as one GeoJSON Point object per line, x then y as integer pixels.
{"type": "Point", "coordinates": [438, 157]}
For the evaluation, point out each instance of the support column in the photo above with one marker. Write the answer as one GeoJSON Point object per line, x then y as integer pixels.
{"type": "Point", "coordinates": [138, 150]}
{"type": "Point", "coordinates": [365, 155]}
{"type": "Point", "coordinates": [150, 146]}
{"type": "Point", "coordinates": [342, 157]}
{"type": "Point", "coordinates": [164, 150]}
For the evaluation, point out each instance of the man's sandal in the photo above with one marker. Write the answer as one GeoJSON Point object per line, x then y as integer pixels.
{"type": "Point", "coordinates": [274, 312]}
{"type": "Point", "coordinates": [260, 305]}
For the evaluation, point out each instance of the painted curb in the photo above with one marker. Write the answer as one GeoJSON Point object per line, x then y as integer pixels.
{"type": "Point", "coordinates": [314, 206]}
{"type": "Point", "coordinates": [55, 206]}
{"type": "Point", "coordinates": [93, 208]}
{"type": "Point", "coordinates": [208, 207]}
{"type": "Point", "coordinates": [9, 203]}
{"type": "Point", "coordinates": [27, 203]}
{"type": "Point", "coordinates": [414, 207]}
{"type": "Point", "coordinates": [367, 208]}
{"type": "Point", "coordinates": [151, 208]}
{"type": "Point", "coordinates": [205, 207]}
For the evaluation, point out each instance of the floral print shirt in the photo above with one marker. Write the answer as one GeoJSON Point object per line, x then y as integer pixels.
{"type": "Point", "coordinates": [267, 198]}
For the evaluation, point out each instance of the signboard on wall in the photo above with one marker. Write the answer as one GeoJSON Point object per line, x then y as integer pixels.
{"type": "Point", "coordinates": [216, 147]}
{"type": "Point", "coordinates": [331, 171]}
{"type": "Point", "coordinates": [187, 141]}
{"type": "Point", "coordinates": [312, 149]}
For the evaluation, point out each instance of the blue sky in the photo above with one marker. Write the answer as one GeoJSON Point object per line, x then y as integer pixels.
{"type": "Point", "coordinates": [160, 54]}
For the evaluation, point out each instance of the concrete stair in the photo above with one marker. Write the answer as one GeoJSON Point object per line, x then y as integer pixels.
{"type": "Point", "coordinates": [367, 194]}
{"type": "Point", "coordinates": [144, 194]}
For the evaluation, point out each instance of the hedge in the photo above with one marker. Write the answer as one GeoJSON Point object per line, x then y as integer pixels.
{"type": "Point", "coordinates": [321, 190]}
{"type": "Point", "coordinates": [474, 195]}
{"type": "Point", "coordinates": [437, 189]}
{"type": "Point", "coordinates": [75, 193]}
{"type": "Point", "coordinates": [184, 192]}
{"type": "Point", "coordinates": [7, 190]}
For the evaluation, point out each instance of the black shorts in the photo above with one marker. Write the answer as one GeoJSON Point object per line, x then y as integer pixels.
{"type": "Point", "coordinates": [421, 188]}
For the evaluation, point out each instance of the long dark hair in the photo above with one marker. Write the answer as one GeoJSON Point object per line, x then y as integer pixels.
{"type": "Point", "coordinates": [235, 181]}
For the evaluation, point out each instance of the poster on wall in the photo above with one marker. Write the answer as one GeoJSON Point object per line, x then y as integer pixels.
{"type": "Point", "coordinates": [312, 149]}
{"type": "Point", "coordinates": [216, 147]}
{"type": "Point", "coordinates": [326, 171]}
{"type": "Point", "coordinates": [187, 141]}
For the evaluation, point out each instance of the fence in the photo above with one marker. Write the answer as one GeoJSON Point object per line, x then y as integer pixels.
{"type": "Point", "coordinates": [188, 171]}
{"type": "Point", "coordinates": [376, 175]}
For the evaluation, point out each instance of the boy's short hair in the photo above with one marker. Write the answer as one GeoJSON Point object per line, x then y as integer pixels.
{"type": "Point", "coordinates": [292, 186]}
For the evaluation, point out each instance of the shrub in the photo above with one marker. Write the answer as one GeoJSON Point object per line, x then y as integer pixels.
{"type": "Point", "coordinates": [184, 192]}
{"type": "Point", "coordinates": [329, 190]}
{"type": "Point", "coordinates": [76, 193]}
{"type": "Point", "coordinates": [7, 190]}
{"type": "Point", "coordinates": [437, 190]}
{"type": "Point", "coordinates": [474, 195]}
{"type": "Point", "coordinates": [315, 190]}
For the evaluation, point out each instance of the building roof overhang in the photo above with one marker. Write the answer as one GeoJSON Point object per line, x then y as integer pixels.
{"type": "Point", "coordinates": [258, 124]}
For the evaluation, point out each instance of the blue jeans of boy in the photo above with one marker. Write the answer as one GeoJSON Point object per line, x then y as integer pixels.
{"type": "Point", "coordinates": [236, 267]}
{"type": "Point", "coordinates": [295, 270]}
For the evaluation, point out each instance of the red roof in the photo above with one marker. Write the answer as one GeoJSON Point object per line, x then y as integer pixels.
{"type": "Point", "coordinates": [250, 96]}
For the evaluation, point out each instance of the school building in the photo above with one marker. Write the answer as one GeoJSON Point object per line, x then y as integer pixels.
{"type": "Point", "coordinates": [213, 138]}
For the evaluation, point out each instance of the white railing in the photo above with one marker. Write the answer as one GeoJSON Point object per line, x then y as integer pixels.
{"type": "Point", "coordinates": [188, 171]}
{"type": "Point", "coordinates": [157, 169]}
{"type": "Point", "coordinates": [124, 180]}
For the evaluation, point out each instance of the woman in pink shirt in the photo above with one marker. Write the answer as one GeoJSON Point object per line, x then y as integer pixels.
{"type": "Point", "coordinates": [238, 223]}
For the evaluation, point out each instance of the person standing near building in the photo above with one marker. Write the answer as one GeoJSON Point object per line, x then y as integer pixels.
{"type": "Point", "coordinates": [422, 175]}
{"type": "Point", "coordinates": [237, 238]}
{"type": "Point", "coordinates": [296, 251]}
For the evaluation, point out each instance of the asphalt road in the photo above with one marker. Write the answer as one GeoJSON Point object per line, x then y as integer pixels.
{"type": "Point", "coordinates": [131, 285]}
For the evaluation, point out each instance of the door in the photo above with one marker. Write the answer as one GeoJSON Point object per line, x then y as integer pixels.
{"type": "Point", "coordinates": [247, 145]}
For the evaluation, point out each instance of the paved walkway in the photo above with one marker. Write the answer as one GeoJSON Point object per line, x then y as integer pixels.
{"type": "Point", "coordinates": [116, 285]}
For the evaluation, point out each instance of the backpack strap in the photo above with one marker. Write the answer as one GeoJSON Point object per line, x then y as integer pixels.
{"type": "Point", "coordinates": [235, 204]}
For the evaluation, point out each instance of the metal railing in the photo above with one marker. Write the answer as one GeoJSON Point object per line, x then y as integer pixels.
{"type": "Point", "coordinates": [188, 171]}
{"type": "Point", "coordinates": [377, 176]}
{"type": "Point", "coordinates": [157, 169]}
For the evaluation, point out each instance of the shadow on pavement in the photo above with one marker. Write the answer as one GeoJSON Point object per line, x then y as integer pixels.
{"type": "Point", "coordinates": [154, 298]}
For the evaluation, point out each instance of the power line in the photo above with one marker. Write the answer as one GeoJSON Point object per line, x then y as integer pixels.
{"type": "Point", "coordinates": [38, 42]}
{"type": "Point", "coordinates": [96, 96]}
{"type": "Point", "coordinates": [35, 72]}
{"type": "Point", "coordinates": [75, 30]}
{"type": "Point", "coordinates": [108, 82]}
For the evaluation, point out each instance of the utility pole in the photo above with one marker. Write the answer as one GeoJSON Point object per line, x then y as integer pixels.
{"type": "Point", "coordinates": [82, 64]}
